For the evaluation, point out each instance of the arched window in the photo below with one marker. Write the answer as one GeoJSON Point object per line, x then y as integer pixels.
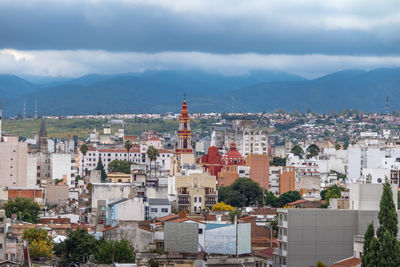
{"type": "Point", "coordinates": [185, 144]}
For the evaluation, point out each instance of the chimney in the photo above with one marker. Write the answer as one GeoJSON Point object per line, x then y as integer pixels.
{"type": "Point", "coordinates": [182, 214]}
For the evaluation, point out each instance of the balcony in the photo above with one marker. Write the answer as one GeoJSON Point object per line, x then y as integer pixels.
{"type": "Point", "coordinates": [183, 203]}
{"type": "Point", "coordinates": [282, 223]}
{"type": "Point", "coordinates": [280, 252]}
{"type": "Point", "coordinates": [282, 238]}
{"type": "Point", "coordinates": [358, 239]}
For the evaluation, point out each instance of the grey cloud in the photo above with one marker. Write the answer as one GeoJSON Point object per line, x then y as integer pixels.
{"type": "Point", "coordinates": [206, 26]}
{"type": "Point", "coordinates": [73, 63]}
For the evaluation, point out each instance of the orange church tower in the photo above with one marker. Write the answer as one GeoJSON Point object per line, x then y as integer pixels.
{"type": "Point", "coordinates": [184, 150]}
{"type": "Point", "coordinates": [184, 132]}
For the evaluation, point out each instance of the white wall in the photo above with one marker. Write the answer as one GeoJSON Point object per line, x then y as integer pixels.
{"type": "Point", "coordinates": [367, 196]}
{"type": "Point", "coordinates": [60, 166]}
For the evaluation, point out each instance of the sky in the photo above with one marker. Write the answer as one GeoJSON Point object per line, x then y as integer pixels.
{"type": "Point", "coordinates": [306, 37]}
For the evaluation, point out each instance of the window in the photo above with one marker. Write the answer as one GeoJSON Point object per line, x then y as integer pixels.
{"type": "Point", "coordinates": [195, 199]}
{"type": "Point", "coordinates": [200, 199]}
{"type": "Point", "coordinates": [200, 231]}
{"type": "Point", "coordinates": [154, 210]}
{"type": "Point", "coordinates": [164, 209]}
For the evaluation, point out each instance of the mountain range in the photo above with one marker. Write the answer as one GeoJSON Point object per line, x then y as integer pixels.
{"type": "Point", "coordinates": [162, 91]}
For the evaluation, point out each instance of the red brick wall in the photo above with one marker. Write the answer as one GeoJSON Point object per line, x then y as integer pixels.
{"type": "Point", "coordinates": [259, 169]}
{"type": "Point", "coordinates": [29, 194]}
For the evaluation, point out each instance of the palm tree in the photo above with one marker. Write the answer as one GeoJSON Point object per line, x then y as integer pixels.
{"type": "Point", "coordinates": [84, 149]}
{"type": "Point", "coordinates": [152, 153]}
{"type": "Point", "coordinates": [128, 146]}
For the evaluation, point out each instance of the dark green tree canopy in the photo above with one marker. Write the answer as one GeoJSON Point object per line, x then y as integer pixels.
{"type": "Point", "coordinates": [243, 192]}
{"type": "Point", "coordinates": [297, 151]}
{"type": "Point", "coordinates": [77, 248]}
{"type": "Point", "coordinates": [84, 149]}
{"type": "Point", "coordinates": [119, 166]}
{"type": "Point", "coordinates": [278, 161]}
{"type": "Point", "coordinates": [288, 197]}
{"type": "Point", "coordinates": [312, 151]}
{"type": "Point", "coordinates": [114, 251]}
{"type": "Point", "coordinates": [270, 199]}
{"type": "Point", "coordinates": [387, 214]}
{"type": "Point", "coordinates": [25, 209]}
{"type": "Point", "coordinates": [383, 250]}
{"type": "Point", "coordinates": [100, 168]}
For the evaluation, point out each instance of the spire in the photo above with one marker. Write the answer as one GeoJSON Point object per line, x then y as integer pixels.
{"type": "Point", "coordinates": [43, 131]}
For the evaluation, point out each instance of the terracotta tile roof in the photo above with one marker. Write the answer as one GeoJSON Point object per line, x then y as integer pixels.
{"type": "Point", "coordinates": [165, 151]}
{"type": "Point", "coordinates": [129, 137]}
{"type": "Point", "coordinates": [297, 202]}
{"type": "Point", "coordinates": [181, 220]}
{"type": "Point", "coordinates": [167, 218]}
{"type": "Point", "coordinates": [350, 262]}
{"type": "Point", "coordinates": [154, 139]}
{"type": "Point", "coordinates": [265, 253]}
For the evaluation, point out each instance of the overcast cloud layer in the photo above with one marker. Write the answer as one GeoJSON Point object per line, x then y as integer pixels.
{"type": "Point", "coordinates": [76, 37]}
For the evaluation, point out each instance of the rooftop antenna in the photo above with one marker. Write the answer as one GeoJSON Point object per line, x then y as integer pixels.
{"type": "Point", "coordinates": [24, 113]}
{"type": "Point", "coordinates": [184, 95]}
{"type": "Point", "coordinates": [387, 105]}
{"type": "Point", "coordinates": [36, 112]}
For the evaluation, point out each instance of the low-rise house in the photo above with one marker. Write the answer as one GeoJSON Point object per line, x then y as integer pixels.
{"type": "Point", "coordinates": [158, 207]}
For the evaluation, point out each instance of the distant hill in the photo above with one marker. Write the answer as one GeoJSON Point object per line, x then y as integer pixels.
{"type": "Point", "coordinates": [12, 86]}
{"type": "Point", "coordinates": [162, 91]}
{"type": "Point", "coordinates": [342, 90]}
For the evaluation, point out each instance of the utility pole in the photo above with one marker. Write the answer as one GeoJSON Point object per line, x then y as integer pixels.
{"type": "Point", "coordinates": [36, 111]}
{"type": "Point", "coordinates": [24, 111]}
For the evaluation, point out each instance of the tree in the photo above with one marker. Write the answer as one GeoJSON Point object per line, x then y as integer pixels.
{"type": "Point", "coordinates": [152, 153]}
{"type": "Point", "coordinates": [100, 168]}
{"type": "Point", "coordinates": [128, 146]}
{"type": "Point", "coordinates": [119, 166]}
{"type": "Point", "coordinates": [270, 199]}
{"type": "Point", "coordinates": [385, 249]}
{"type": "Point", "coordinates": [369, 258]}
{"type": "Point", "coordinates": [231, 197]}
{"type": "Point", "coordinates": [333, 192]}
{"type": "Point", "coordinates": [297, 151]}
{"type": "Point", "coordinates": [25, 209]}
{"type": "Point", "coordinates": [249, 189]}
{"type": "Point", "coordinates": [288, 197]}
{"type": "Point", "coordinates": [387, 215]}
{"type": "Point", "coordinates": [321, 264]}
{"type": "Point", "coordinates": [114, 251]}
{"type": "Point", "coordinates": [278, 161]}
{"type": "Point", "coordinates": [338, 146]}
{"type": "Point", "coordinates": [312, 151]}
{"type": "Point", "coordinates": [84, 149]}
{"type": "Point", "coordinates": [389, 250]}
{"type": "Point", "coordinates": [77, 248]}
{"type": "Point", "coordinates": [234, 213]}
{"type": "Point", "coordinates": [345, 146]}
{"type": "Point", "coordinates": [39, 240]}
{"type": "Point", "coordinates": [221, 206]}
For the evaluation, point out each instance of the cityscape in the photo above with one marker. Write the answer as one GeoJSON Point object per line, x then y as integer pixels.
{"type": "Point", "coordinates": [199, 133]}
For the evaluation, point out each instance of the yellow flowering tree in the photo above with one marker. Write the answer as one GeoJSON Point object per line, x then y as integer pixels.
{"type": "Point", "coordinates": [221, 206]}
{"type": "Point", "coordinates": [40, 245]}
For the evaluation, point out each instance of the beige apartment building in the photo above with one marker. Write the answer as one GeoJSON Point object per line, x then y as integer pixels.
{"type": "Point", "coordinates": [195, 192]}
{"type": "Point", "coordinates": [13, 162]}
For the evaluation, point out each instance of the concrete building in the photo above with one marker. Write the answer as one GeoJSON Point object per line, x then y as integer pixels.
{"type": "Point", "coordinates": [249, 138]}
{"type": "Point", "coordinates": [307, 236]}
{"type": "Point", "coordinates": [194, 191]}
{"type": "Point", "coordinates": [158, 207]}
{"type": "Point", "coordinates": [14, 162]}
{"type": "Point", "coordinates": [367, 196]}
{"type": "Point", "coordinates": [57, 194]}
{"type": "Point", "coordinates": [282, 179]}
{"type": "Point", "coordinates": [125, 209]}
{"type": "Point", "coordinates": [2, 230]}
